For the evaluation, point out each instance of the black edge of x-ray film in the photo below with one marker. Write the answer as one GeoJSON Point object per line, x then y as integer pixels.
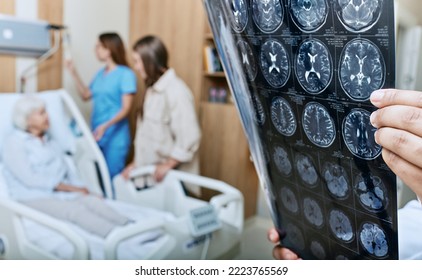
{"type": "Point", "coordinates": [301, 73]}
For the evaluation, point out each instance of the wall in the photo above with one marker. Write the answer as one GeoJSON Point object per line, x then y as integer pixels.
{"type": "Point", "coordinates": [7, 63]}
{"type": "Point", "coordinates": [181, 25]}
{"type": "Point", "coordinates": [47, 75]}
{"type": "Point", "coordinates": [86, 20]}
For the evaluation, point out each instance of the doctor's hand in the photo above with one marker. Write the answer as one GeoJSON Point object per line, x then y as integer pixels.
{"type": "Point", "coordinates": [70, 66]}
{"type": "Point", "coordinates": [279, 252]}
{"type": "Point", "coordinates": [99, 132]}
{"type": "Point", "coordinates": [399, 123]}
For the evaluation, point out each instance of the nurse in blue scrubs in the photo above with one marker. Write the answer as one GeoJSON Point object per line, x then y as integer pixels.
{"type": "Point", "coordinates": [112, 92]}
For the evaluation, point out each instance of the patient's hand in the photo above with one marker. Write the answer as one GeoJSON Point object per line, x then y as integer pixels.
{"type": "Point", "coordinates": [279, 252]}
{"type": "Point", "coordinates": [69, 188]}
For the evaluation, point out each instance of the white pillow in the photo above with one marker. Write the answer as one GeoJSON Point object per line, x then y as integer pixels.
{"type": "Point", "coordinates": [59, 121]}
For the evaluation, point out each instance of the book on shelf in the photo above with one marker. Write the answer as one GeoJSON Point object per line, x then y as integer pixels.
{"type": "Point", "coordinates": [212, 60]}
{"type": "Point", "coordinates": [217, 95]}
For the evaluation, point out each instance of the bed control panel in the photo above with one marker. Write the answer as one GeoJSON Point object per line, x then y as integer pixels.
{"type": "Point", "coordinates": [204, 220]}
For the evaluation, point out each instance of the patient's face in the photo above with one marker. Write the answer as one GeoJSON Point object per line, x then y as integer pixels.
{"type": "Point", "coordinates": [138, 65]}
{"type": "Point", "coordinates": [38, 120]}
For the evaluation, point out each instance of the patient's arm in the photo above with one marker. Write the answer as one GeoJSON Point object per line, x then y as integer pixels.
{"type": "Point", "coordinates": [69, 188]}
{"type": "Point", "coordinates": [16, 161]}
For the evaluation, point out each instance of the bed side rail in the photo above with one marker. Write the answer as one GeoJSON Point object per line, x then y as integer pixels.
{"type": "Point", "coordinates": [120, 234]}
{"type": "Point", "coordinates": [229, 204]}
{"type": "Point", "coordinates": [15, 210]}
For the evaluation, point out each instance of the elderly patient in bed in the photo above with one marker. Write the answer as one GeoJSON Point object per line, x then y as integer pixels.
{"type": "Point", "coordinates": [38, 176]}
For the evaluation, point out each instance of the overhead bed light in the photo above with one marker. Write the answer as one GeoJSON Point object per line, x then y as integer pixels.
{"type": "Point", "coordinates": [24, 37]}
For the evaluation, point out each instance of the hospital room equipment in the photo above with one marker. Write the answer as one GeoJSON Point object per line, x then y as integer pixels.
{"type": "Point", "coordinates": [23, 37]}
{"type": "Point", "coordinates": [162, 213]}
{"type": "Point", "coordinates": [30, 38]}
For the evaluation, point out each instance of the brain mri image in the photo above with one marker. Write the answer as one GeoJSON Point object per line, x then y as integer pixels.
{"type": "Point", "coordinates": [318, 125]}
{"type": "Point", "coordinates": [301, 74]}
{"type": "Point", "coordinates": [314, 66]}
{"type": "Point", "coordinates": [248, 60]}
{"type": "Point", "coordinates": [373, 239]}
{"type": "Point", "coordinates": [267, 14]}
{"type": "Point", "coordinates": [371, 192]}
{"type": "Point", "coordinates": [274, 62]}
{"type": "Point", "coordinates": [295, 236]}
{"type": "Point", "coordinates": [361, 69]}
{"type": "Point", "coordinates": [308, 15]}
{"type": "Point", "coordinates": [313, 212]}
{"type": "Point", "coordinates": [283, 117]}
{"type": "Point", "coordinates": [239, 14]}
{"type": "Point", "coordinates": [259, 115]}
{"type": "Point", "coordinates": [341, 226]}
{"type": "Point", "coordinates": [336, 179]}
{"type": "Point", "coordinates": [341, 257]}
{"type": "Point", "coordinates": [306, 170]}
{"type": "Point", "coordinates": [289, 200]}
{"type": "Point", "coordinates": [318, 250]}
{"type": "Point", "coordinates": [358, 135]}
{"type": "Point", "coordinates": [358, 15]}
{"type": "Point", "coordinates": [282, 161]}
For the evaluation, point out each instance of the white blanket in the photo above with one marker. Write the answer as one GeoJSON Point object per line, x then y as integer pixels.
{"type": "Point", "coordinates": [136, 247]}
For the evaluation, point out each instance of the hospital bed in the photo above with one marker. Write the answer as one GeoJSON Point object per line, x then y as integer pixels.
{"type": "Point", "coordinates": [162, 212]}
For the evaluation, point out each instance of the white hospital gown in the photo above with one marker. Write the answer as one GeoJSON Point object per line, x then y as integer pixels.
{"type": "Point", "coordinates": [34, 168]}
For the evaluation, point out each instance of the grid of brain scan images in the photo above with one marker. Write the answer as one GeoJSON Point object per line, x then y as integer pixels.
{"type": "Point", "coordinates": [308, 68]}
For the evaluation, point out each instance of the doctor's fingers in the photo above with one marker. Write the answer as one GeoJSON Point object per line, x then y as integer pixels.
{"type": "Point", "coordinates": [405, 145]}
{"type": "Point", "coordinates": [401, 117]}
{"type": "Point", "coordinates": [387, 97]}
{"type": "Point", "coordinates": [409, 173]}
{"type": "Point", "coordinates": [282, 253]}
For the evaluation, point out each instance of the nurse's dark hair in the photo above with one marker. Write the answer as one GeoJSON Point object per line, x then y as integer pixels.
{"type": "Point", "coordinates": [154, 56]}
{"type": "Point", "coordinates": [115, 45]}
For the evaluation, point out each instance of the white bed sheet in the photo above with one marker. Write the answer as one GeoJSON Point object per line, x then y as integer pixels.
{"type": "Point", "coordinates": [136, 247]}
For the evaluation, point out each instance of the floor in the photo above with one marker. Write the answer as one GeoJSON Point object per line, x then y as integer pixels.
{"type": "Point", "coordinates": [255, 245]}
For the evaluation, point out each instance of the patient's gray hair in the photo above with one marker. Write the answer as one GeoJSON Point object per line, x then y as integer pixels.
{"type": "Point", "coordinates": [23, 108]}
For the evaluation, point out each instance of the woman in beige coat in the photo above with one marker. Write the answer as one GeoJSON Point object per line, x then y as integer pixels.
{"type": "Point", "coordinates": [168, 133]}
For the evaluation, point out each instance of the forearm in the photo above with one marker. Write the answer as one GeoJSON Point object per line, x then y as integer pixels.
{"type": "Point", "coordinates": [172, 163]}
{"type": "Point", "coordinates": [123, 113]}
{"type": "Point", "coordinates": [83, 90]}
{"type": "Point", "coordinates": [117, 118]}
{"type": "Point", "coordinates": [68, 188]}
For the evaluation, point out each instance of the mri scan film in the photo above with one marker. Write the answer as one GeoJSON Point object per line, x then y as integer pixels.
{"type": "Point", "coordinates": [301, 73]}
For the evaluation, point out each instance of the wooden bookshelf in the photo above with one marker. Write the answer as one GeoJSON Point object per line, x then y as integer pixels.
{"type": "Point", "coordinates": [224, 149]}
{"type": "Point", "coordinates": [215, 74]}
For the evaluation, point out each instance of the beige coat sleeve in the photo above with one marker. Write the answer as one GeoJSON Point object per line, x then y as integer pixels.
{"type": "Point", "coordinates": [183, 124]}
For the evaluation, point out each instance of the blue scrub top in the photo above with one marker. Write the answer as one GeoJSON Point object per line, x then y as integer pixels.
{"type": "Point", "coordinates": [107, 91]}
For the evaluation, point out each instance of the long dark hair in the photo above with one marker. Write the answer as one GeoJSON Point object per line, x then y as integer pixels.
{"type": "Point", "coordinates": [114, 44]}
{"type": "Point", "coordinates": [154, 56]}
